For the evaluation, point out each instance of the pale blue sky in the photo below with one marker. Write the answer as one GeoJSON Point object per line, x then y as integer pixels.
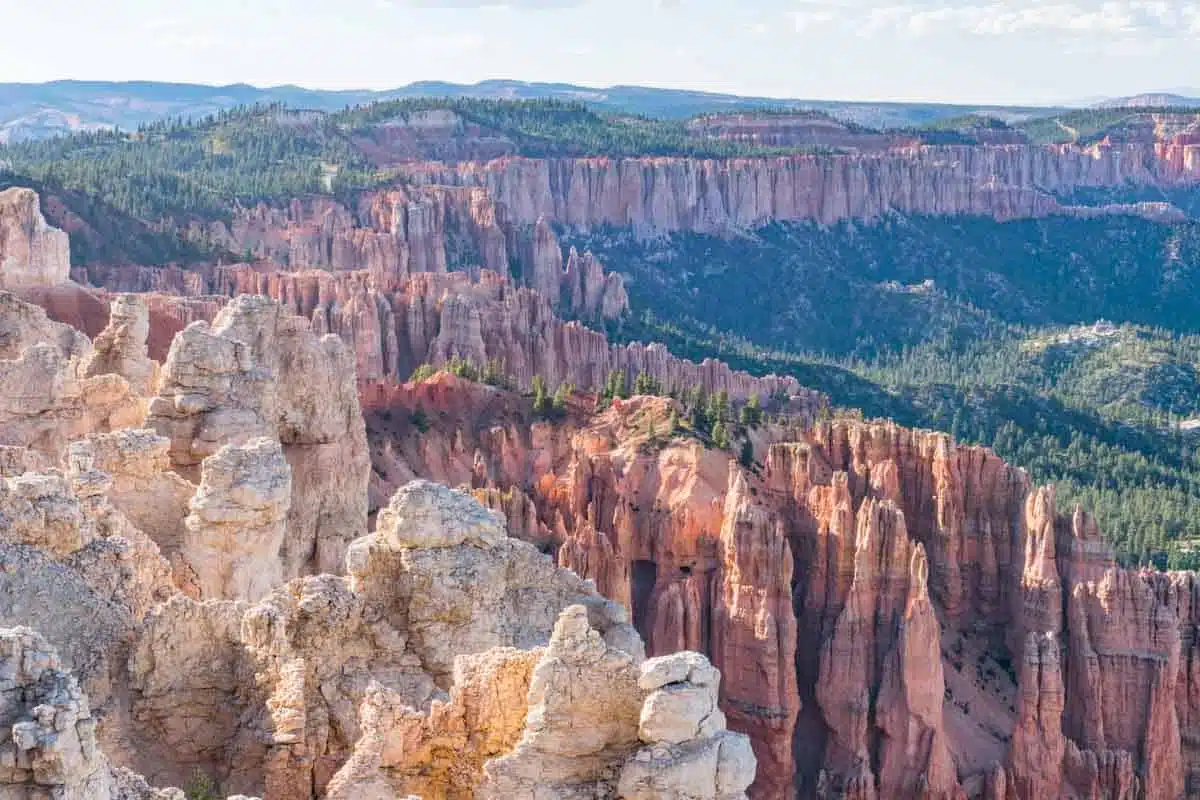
{"type": "Point", "coordinates": [969, 51]}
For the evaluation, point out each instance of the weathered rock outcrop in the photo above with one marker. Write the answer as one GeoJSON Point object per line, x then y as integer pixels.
{"type": "Point", "coordinates": [121, 348]}
{"type": "Point", "coordinates": [76, 569]}
{"type": "Point", "coordinates": [32, 253]}
{"type": "Point", "coordinates": [48, 400]}
{"type": "Point", "coordinates": [689, 754]}
{"type": "Point", "coordinates": [584, 704]}
{"type": "Point", "coordinates": [870, 595]}
{"type": "Point", "coordinates": [661, 195]}
{"type": "Point", "coordinates": [140, 484]}
{"type": "Point", "coordinates": [395, 234]}
{"type": "Point", "coordinates": [258, 371]}
{"type": "Point", "coordinates": [234, 534]}
{"type": "Point", "coordinates": [50, 741]}
{"type": "Point", "coordinates": [410, 675]}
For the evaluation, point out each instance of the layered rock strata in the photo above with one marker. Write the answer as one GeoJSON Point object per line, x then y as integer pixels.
{"type": "Point", "coordinates": [894, 615]}
{"type": "Point", "coordinates": [663, 194]}
{"type": "Point", "coordinates": [393, 235]}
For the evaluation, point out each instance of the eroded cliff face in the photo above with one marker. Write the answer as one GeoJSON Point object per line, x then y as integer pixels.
{"type": "Point", "coordinates": [662, 195]}
{"type": "Point", "coordinates": [450, 660]}
{"type": "Point", "coordinates": [894, 615]}
{"type": "Point", "coordinates": [432, 318]}
{"type": "Point", "coordinates": [395, 234]}
{"type": "Point", "coordinates": [32, 253]}
{"type": "Point", "coordinates": [258, 371]}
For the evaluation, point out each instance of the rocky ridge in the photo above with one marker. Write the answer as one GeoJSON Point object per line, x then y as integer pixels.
{"type": "Point", "coordinates": [431, 318]}
{"type": "Point", "coordinates": [396, 234]}
{"type": "Point", "coordinates": [894, 615]}
{"type": "Point", "coordinates": [443, 629]}
{"type": "Point", "coordinates": [664, 195]}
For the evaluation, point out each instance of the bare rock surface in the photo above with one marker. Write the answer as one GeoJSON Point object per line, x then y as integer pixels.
{"type": "Point", "coordinates": [32, 253]}
{"type": "Point", "coordinates": [688, 754]}
{"type": "Point", "coordinates": [236, 528]}
{"type": "Point", "coordinates": [259, 371]}
{"type": "Point", "coordinates": [49, 399]}
{"type": "Point", "coordinates": [122, 349]}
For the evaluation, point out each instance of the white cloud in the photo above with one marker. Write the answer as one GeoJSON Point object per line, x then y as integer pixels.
{"type": "Point", "coordinates": [460, 4]}
{"type": "Point", "coordinates": [1111, 20]}
{"type": "Point", "coordinates": [804, 20]}
{"type": "Point", "coordinates": [458, 42]}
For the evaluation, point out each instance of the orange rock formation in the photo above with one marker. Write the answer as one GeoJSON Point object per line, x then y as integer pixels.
{"type": "Point", "coordinates": [893, 615]}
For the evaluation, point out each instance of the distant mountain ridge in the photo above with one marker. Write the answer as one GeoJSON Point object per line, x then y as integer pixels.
{"type": "Point", "coordinates": [36, 111]}
{"type": "Point", "coordinates": [1189, 98]}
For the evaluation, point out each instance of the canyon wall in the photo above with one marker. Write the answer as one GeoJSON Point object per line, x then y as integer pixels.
{"type": "Point", "coordinates": [663, 195]}
{"type": "Point", "coordinates": [894, 615]}
{"type": "Point", "coordinates": [392, 327]}
{"type": "Point", "coordinates": [396, 234]}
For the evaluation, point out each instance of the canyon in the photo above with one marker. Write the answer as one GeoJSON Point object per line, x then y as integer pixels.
{"type": "Point", "coordinates": [226, 515]}
{"type": "Point", "coordinates": [662, 195]}
{"type": "Point", "coordinates": [894, 615]}
{"type": "Point", "coordinates": [209, 604]}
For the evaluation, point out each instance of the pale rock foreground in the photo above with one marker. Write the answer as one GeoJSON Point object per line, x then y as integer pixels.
{"type": "Point", "coordinates": [330, 687]}
{"type": "Point", "coordinates": [688, 754]}
{"type": "Point", "coordinates": [442, 665]}
{"type": "Point", "coordinates": [48, 399]}
{"type": "Point", "coordinates": [336, 687]}
{"type": "Point", "coordinates": [258, 371]}
{"type": "Point", "coordinates": [237, 523]}
{"type": "Point", "coordinates": [121, 348]}
{"type": "Point", "coordinates": [49, 749]}
{"type": "Point", "coordinates": [32, 253]}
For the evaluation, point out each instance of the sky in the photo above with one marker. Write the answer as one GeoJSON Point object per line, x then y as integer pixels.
{"type": "Point", "coordinates": [971, 51]}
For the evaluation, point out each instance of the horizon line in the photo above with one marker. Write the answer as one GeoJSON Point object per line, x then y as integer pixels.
{"type": "Point", "coordinates": [909, 100]}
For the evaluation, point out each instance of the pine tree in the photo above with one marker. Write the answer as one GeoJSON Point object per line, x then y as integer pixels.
{"type": "Point", "coordinates": [565, 390]}
{"type": "Point", "coordinates": [752, 414]}
{"type": "Point", "coordinates": [720, 436]}
{"type": "Point", "coordinates": [747, 455]}
{"type": "Point", "coordinates": [541, 404]}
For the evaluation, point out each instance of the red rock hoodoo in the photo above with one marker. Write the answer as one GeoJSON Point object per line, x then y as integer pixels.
{"type": "Point", "coordinates": [894, 615]}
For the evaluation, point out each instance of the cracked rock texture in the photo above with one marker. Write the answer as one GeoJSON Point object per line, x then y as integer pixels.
{"type": "Point", "coordinates": [234, 533]}
{"type": "Point", "coordinates": [258, 371]}
{"type": "Point", "coordinates": [32, 253]}
{"type": "Point", "coordinates": [48, 400]}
